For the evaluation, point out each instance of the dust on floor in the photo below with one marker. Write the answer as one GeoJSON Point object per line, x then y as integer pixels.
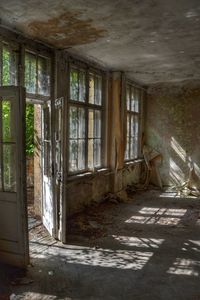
{"type": "Point", "coordinates": [147, 248]}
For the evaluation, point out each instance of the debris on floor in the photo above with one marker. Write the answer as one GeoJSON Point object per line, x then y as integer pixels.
{"type": "Point", "coordinates": [22, 281]}
{"type": "Point", "coordinates": [191, 187]}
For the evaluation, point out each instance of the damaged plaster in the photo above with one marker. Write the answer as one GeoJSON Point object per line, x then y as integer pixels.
{"type": "Point", "coordinates": [172, 128]}
{"type": "Point", "coordinates": [65, 30]}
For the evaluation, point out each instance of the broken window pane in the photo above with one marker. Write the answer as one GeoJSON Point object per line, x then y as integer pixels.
{"type": "Point", "coordinates": [9, 67]}
{"type": "Point", "coordinates": [30, 73]}
{"type": "Point", "coordinates": [43, 76]}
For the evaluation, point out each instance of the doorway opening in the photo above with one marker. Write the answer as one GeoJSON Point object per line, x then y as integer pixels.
{"type": "Point", "coordinates": [34, 163]}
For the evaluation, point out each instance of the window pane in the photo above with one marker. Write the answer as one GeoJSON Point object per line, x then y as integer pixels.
{"type": "Point", "coordinates": [47, 158]}
{"type": "Point", "coordinates": [73, 155]}
{"type": "Point", "coordinates": [97, 153]}
{"type": "Point", "coordinates": [98, 90]}
{"type": "Point", "coordinates": [82, 89]}
{"type": "Point", "coordinates": [95, 89]}
{"type": "Point", "coordinates": [77, 122]}
{"type": "Point", "coordinates": [81, 154]}
{"type": "Point", "coordinates": [81, 122]}
{"type": "Point", "coordinates": [97, 124]}
{"type": "Point", "coordinates": [74, 84]}
{"type": "Point", "coordinates": [73, 122]}
{"type": "Point", "coordinates": [43, 76]}
{"type": "Point", "coordinates": [128, 98]}
{"type": "Point", "coordinates": [94, 142]}
{"type": "Point", "coordinates": [47, 124]}
{"type": "Point", "coordinates": [9, 168]}
{"type": "Point", "coordinates": [91, 89]}
{"type": "Point", "coordinates": [7, 127]}
{"type": "Point", "coordinates": [9, 67]}
{"type": "Point", "coordinates": [77, 139]}
{"type": "Point", "coordinates": [30, 73]}
{"type": "Point", "coordinates": [134, 100]}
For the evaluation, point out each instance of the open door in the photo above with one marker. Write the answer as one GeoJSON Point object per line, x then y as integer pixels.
{"type": "Point", "coordinates": [52, 135]}
{"type": "Point", "coordinates": [13, 211]}
{"type": "Point", "coordinates": [59, 168]}
{"type": "Point", "coordinates": [48, 170]}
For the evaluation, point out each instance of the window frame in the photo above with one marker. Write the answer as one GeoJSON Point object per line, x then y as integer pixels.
{"type": "Point", "coordinates": [38, 54]}
{"type": "Point", "coordinates": [131, 113]}
{"type": "Point", "coordinates": [12, 47]}
{"type": "Point", "coordinates": [87, 106]}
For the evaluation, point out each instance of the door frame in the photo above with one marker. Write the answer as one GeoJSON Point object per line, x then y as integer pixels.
{"type": "Point", "coordinates": [21, 195]}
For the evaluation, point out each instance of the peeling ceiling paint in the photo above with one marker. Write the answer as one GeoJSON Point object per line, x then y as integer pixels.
{"type": "Point", "coordinates": [151, 41]}
{"type": "Point", "coordinates": [65, 30]}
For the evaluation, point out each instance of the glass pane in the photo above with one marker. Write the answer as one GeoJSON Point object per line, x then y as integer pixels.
{"type": "Point", "coordinates": [74, 84]}
{"type": "Point", "coordinates": [43, 76]}
{"type": "Point", "coordinates": [82, 89]}
{"type": "Point", "coordinates": [97, 124]}
{"type": "Point", "coordinates": [47, 124]}
{"type": "Point", "coordinates": [135, 100]}
{"type": "Point", "coordinates": [73, 122]}
{"type": "Point", "coordinates": [47, 158]}
{"type": "Point", "coordinates": [97, 153]}
{"type": "Point", "coordinates": [132, 126]}
{"type": "Point", "coordinates": [128, 98]}
{"type": "Point", "coordinates": [9, 67]}
{"type": "Point", "coordinates": [137, 97]}
{"type": "Point", "coordinates": [91, 89]}
{"type": "Point", "coordinates": [30, 73]}
{"type": "Point", "coordinates": [81, 123]}
{"type": "Point", "coordinates": [73, 155]}
{"type": "Point", "coordinates": [132, 148]}
{"type": "Point", "coordinates": [90, 153]}
{"type": "Point", "coordinates": [95, 89]}
{"type": "Point", "coordinates": [91, 124]}
{"type": "Point", "coordinates": [9, 168]}
{"type": "Point", "coordinates": [94, 153]}
{"type": "Point", "coordinates": [94, 124]}
{"type": "Point", "coordinates": [7, 127]}
{"type": "Point", "coordinates": [98, 90]}
{"type": "Point", "coordinates": [81, 154]}
{"type": "Point", "coordinates": [127, 148]}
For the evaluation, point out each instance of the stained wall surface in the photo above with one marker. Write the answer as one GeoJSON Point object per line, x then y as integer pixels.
{"type": "Point", "coordinates": [173, 128]}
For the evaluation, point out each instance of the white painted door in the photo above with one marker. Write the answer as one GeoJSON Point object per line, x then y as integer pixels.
{"type": "Point", "coordinates": [48, 203]}
{"type": "Point", "coordinates": [13, 210]}
{"type": "Point", "coordinates": [59, 165]}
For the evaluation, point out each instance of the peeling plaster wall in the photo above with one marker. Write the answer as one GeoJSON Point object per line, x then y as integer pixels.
{"type": "Point", "coordinates": [173, 128]}
{"type": "Point", "coordinates": [82, 192]}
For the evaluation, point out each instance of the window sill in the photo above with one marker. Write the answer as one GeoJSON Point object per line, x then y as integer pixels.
{"type": "Point", "coordinates": [133, 162]}
{"type": "Point", "coordinates": [91, 174]}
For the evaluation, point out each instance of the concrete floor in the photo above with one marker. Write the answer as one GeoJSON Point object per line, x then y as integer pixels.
{"type": "Point", "coordinates": [149, 248]}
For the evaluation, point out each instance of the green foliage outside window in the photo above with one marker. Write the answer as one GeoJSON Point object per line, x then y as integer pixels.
{"type": "Point", "coordinates": [30, 145]}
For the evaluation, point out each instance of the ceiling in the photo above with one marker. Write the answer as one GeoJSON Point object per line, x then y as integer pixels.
{"type": "Point", "coordinates": [152, 41]}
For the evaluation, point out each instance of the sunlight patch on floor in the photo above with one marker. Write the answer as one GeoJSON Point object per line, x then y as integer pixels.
{"type": "Point", "coordinates": [184, 266]}
{"type": "Point", "coordinates": [139, 242]}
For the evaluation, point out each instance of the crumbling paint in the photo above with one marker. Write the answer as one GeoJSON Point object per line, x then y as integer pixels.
{"type": "Point", "coordinates": [65, 30]}
{"type": "Point", "coordinates": [172, 128]}
{"type": "Point", "coordinates": [83, 192]}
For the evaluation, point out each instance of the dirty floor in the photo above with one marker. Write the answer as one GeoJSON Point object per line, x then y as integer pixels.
{"type": "Point", "coordinates": [147, 248]}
